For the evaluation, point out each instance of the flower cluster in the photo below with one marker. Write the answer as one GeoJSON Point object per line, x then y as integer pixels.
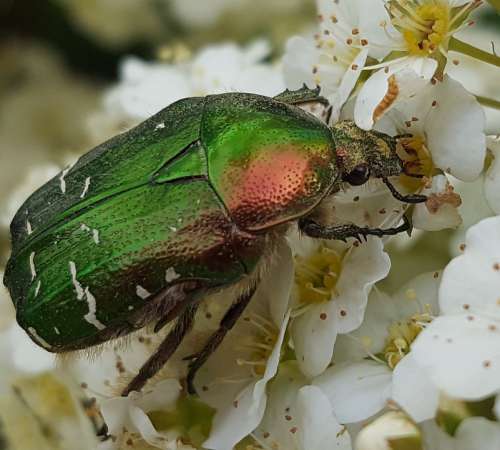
{"type": "Point", "coordinates": [338, 348]}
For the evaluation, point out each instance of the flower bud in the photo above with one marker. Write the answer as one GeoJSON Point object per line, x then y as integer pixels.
{"type": "Point", "coordinates": [392, 431]}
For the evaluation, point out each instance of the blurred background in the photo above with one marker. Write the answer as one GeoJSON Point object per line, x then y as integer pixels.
{"type": "Point", "coordinates": [60, 58]}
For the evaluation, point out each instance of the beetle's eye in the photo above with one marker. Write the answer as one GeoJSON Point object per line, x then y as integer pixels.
{"type": "Point", "coordinates": [358, 176]}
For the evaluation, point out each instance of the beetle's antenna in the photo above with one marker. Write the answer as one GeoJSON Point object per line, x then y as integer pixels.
{"type": "Point", "coordinates": [412, 198]}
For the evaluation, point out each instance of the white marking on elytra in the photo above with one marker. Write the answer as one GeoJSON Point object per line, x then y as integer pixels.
{"type": "Point", "coordinates": [90, 317]}
{"type": "Point", "coordinates": [174, 229]}
{"type": "Point", "coordinates": [160, 126]}
{"type": "Point", "coordinates": [95, 235]}
{"type": "Point", "coordinates": [130, 308]}
{"type": "Point", "coordinates": [62, 180]}
{"type": "Point", "coordinates": [57, 330]}
{"type": "Point", "coordinates": [32, 266]}
{"type": "Point", "coordinates": [141, 292]}
{"type": "Point", "coordinates": [171, 275]}
{"type": "Point", "coordinates": [38, 338]}
{"type": "Point", "coordinates": [29, 229]}
{"type": "Point", "coordinates": [86, 187]}
{"type": "Point", "coordinates": [78, 287]}
{"type": "Point", "coordinates": [38, 286]}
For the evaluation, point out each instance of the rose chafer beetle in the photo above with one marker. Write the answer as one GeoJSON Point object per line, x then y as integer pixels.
{"type": "Point", "coordinates": [190, 202]}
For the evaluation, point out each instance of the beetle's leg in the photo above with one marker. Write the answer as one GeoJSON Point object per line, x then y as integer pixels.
{"type": "Point", "coordinates": [412, 198]}
{"type": "Point", "coordinates": [227, 322]}
{"type": "Point", "coordinates": [169, 316]}
{"type": "Point", "coordinates": [342, 232]}
{"type": "Point", "coordinates": [164, 351]}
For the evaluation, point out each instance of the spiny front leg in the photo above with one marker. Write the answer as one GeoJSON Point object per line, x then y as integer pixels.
{"type": "Point", "coordinates": [227, 322]}
{"type": "Point", "coordinates": [342, 232]}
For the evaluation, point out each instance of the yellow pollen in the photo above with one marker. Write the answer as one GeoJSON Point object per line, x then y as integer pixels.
{"type": "Point", "coordinates": [316, 276]}
{"type": "Point", "coordinates": [401, 336]}
{"type": "Point", "coordinates": [424, 26]}
{"type": "Point", "coordinates": [417, 161]}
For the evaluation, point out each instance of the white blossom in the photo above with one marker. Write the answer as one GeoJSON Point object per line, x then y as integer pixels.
{"type": "Point", "coordinates": [146, 88]}
{"type": "Point", "coordinates": [128, 415]}
{"type": "Point", "coordinates": [299, 416]}
{"type": "Point", "coordinates": [349, 32]}
{"type": "Point", "coordinates": [392, 431]}
{"type": "Point", "coordinates": [458, 349]}
{"type": "Point", "coordinates": [374, 364]}
{"type": "Point", "coordinates": [332, 284]}
{"type": "Point", "coordinates": [234, 380]}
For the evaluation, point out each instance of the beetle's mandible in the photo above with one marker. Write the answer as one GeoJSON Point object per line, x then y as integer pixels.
{"type": "Point", "coordinates": [190, 202]}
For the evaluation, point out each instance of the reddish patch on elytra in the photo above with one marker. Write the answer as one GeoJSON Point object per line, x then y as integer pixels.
{"type": "Point", "coordinates": [260, 189]}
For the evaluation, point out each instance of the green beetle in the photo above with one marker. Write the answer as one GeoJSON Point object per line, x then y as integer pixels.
{"type": "Point", "coordinates": [187, 203]}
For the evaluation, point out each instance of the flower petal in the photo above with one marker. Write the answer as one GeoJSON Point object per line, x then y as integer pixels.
{"type": "Point", "coordinates": [299, 417]}
{"type": "Point", "coordinates": [471, 282]}
{"type": "Point", "coordinates": [455, 131]}
{"type": "Point", "coordinates": [477, 432]}
{"type": "Point", "coordinates": [460, 353]}
{"type": "Point", "coordinates": [410, 384]}
{"type": "Point", "coordinates": [298, 61]}
{"type": "Point", "coordinates": [317, 426]}
{"type": "Point", "coordinates": [356, 391]}
{"type": "Point", "coordinates": [395, 83]}
{"type": "Point", "coordinates": [244, 413]}
{"type": "Point", "coordinates": [313, 338]}
{"type": "Point", "coordinates": [366, 264]}
{"type": "Point", "coordinates": [440, 211]}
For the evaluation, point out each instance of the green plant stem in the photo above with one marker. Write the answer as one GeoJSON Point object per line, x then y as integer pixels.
{"type": "Point", "coordinates": [467, 49]}
{"type": "Point", "coordinates": [489, 102]}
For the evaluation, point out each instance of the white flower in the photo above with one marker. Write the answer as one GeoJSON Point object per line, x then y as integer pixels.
{"type": "Point", "coordinates": [459, 350]}
{"type": "Point", "coordinates": [332, 283]}
{"type": "Point", "coordinates": [421, 35]}
{"type": "Point", "coordinates": [298, 416]}
{"type": "Point", "coordinates": [45, 411]}
{"type": "Point", "coordinates": [234, 379]}
{"type": "Point", "coordinates": [374, 363]}
{"type": "Point", "coordinates": [393, 431]}
{"type": "Point", "coordinates": [7, 312]}
{"type": "Point", "coordinates": [446, 134]}
{"type": "Point", "coordinates": [35, 178]}
{"type": "Point", "coordinates": [349, 32]}
{"type": "Point", "coordinates": [128, 415]}
{"type": "Point", "coordinates": [492, 179]}
{"type": "Point", "coordinates": [146, 88]}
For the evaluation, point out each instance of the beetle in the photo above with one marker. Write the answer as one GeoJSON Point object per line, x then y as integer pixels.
{"type": "Point", "coordinates": [188, 203]}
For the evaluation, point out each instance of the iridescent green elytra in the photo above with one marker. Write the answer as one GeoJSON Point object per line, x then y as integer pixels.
{"type": "Point", "coordinates": [184, 204]}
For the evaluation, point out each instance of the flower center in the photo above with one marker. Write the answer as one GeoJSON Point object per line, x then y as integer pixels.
{"type": "Point", "coordinates": [401, 336]}
{"type": "Point", "coordinates": [258, 345]}
{"type": "Point", "coordinates": [417, 162]}
{"type": "Point", "coordinates": [427, 26]}
{"type": "Point", "coordinates": [316, 276]}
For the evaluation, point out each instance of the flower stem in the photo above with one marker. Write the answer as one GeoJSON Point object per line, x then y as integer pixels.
{"type": "Point", "coordinates": [467, 49]}
{"type": "Point", "coordinates": [488, 102]}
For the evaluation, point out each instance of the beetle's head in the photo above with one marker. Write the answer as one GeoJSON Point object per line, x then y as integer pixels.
{"type": "Point", "coordinates": [362, 155]}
